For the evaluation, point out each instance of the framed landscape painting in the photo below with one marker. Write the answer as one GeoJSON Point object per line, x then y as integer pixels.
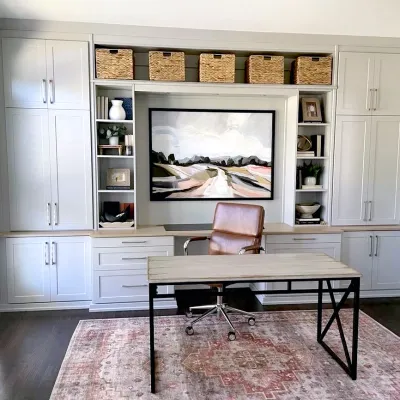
{"type": "Point", "coordinates": [211, 154]}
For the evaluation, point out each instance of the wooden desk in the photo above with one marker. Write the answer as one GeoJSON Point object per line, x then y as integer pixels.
{"type": "Point", "coordinates": [262, 268]}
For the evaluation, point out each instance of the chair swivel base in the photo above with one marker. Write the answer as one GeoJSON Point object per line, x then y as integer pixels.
{"type": "Point", "coordinates": [220, 309]}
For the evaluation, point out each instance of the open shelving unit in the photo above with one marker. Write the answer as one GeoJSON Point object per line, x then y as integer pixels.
{"type": "Point", "coordinates": [103, 161]}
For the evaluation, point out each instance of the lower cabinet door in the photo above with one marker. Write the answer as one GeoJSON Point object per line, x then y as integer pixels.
{"type": "Point", "coordinates": [330, 249]}
{"type": "Point", "coordinates": [357, 253]}
{"type": "Point", "coordinates": [28, 270]}
{"type": "Point", "coordinates": [70, 267]}
{"type": "Point", "coordinates": [386, 265]}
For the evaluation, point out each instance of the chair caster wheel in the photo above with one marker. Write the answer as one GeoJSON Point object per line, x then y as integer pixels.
{"type": "Point", "coordinates": [231, 336]}
{"type": "Point", "coordinates": [189, 314]}
{"type": "Point", "coordinates": [189, 330]}
{"type": "Point", "coordinates": [251, 321]}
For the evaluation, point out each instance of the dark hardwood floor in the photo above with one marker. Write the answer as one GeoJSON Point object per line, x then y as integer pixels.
{"type": "Point", "coordinates": [33, 344]}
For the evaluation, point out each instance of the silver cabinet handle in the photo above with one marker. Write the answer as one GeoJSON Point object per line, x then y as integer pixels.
{"type": "Point", "coordinates": [46, 253]}
{"type": "Point", "coordinates": [51, 90]}
{"type": "Point", "coordinates": [128, 286]}
{"type": "Point", "coordinates": [134, 258]}
{"type": "Point", "coordinates": [48, 214]}
{"type": "Point", "coordinates": [370, 211]}
{"type": "Point", "coordinates": [53, 253]}
{"type": "Point", "coordinates": [371, 239]}
{"type": "Point", "coordinates": [44, 91]}
{"type": "Point", "coordinates": [365, 211]}
{"type": "Point", "coordinates": [376, 245]}
{"type": "Point", "coordinates": [142, 241]}
{"type": "Point", "coordinates": [370, 100]}
{"type": "Point", "coordinates": [375, 98]}
{"type": "Point", "coordinates": [55, 216]}
{"type": "Point", "coordinates": [305, 239]}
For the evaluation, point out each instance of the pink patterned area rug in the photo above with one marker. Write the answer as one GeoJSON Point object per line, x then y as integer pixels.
{"type": "Point", "coordinates": [278, 359]}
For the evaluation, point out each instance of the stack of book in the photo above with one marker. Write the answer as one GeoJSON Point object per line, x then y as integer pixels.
{"type": "Point", "coordinates": [101, 107]}
{"type": "Point", "coordinates": [311, 187]}
{"type": "Point", "coordinates": [305, 154]}
{"type": "Point", "coordinates": [318, 145]}
{"type": "Point", "coordinates": [308, 221]}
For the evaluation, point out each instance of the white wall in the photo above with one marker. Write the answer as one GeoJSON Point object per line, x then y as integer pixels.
{"type": "Point", "coordinates": [174, 212]}
{"type": "Point", "coordinates": [334, 17]}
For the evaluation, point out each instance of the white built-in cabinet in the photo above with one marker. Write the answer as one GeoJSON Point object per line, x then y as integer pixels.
{"type": "Point", "coordinates": [46, 74]}
{"type": "Point", "coordinates": [368, 84]}
{"type": "Point", "coordinates": [49, 166]}
{"type": "Point", "coordinates": [376, 255]}
{"type": "Point", "coordinates": [48, 269]}
{"type": "Point", "coordinates": [366, 183]}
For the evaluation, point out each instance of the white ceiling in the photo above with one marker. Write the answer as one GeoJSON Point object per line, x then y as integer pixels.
{"type": "Point", "coordinates": [340, 17]}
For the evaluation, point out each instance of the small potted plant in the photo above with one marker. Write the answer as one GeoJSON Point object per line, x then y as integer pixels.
{"type": "Point", "coordinates": [112, 133]}
{"type": "Point", "coordinates": [311, 172]}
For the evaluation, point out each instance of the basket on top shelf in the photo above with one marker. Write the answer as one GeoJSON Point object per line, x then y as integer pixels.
{"type": "Point", "coordinates": [265, 69]}
{"type": "Point", "coordinates": [167, 66]}
{"type": "Point", "coordinates": [115, 64]}
{"type": "Point", "coordinates": [312, 70]}
{"type": "Point", "coordinates": [217, 68]}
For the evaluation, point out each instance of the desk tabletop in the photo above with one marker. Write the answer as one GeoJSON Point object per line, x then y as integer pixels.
{"type": "Point", "coordinates": [246, 267]}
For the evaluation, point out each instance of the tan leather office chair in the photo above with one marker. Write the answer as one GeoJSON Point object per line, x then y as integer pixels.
{"type": "Point", "coordinates": [237, 229]}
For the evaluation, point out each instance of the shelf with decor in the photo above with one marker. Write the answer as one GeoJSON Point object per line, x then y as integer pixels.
{"type": "Point", "coordinates": [313, 124]}
{"type": "Point", "coordinates": [114, 134]}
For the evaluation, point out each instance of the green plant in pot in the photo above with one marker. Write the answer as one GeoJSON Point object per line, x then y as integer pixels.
{"type": "Point", "coordinates": [112, 133]}
{"type": "Point", "coordinates": [311, 172]}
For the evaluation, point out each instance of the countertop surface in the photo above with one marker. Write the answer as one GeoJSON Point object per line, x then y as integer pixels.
{"type": "Point", "coordinates": [269, 229]}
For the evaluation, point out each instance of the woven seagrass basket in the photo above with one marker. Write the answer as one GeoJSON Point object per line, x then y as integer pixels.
{"type": "Point", "coordinates": [312, 71]}
{"type": "Point", "coordinates": [217, 68]}
{"type": "Point", "coordinates": [265, 69]}
{"type": "Point", "coordinates": [166, 66]}
{"type": "Point", "coordinates": [114, 64]}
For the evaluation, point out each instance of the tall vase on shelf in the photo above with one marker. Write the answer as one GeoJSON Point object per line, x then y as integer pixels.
{"type": "Point", "coordinates": [116, 111]}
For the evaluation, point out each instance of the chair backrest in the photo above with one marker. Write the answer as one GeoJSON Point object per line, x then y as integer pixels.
{"type": "Point", "coordinates": [236, 226]}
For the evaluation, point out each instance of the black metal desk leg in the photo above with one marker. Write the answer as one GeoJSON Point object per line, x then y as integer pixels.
{"type": "Point", "coordinates": [319, 313]}
{"type": "Point", "coordinates": [152, 292]}
{"type": "Point", "coordinates": [356, 312]}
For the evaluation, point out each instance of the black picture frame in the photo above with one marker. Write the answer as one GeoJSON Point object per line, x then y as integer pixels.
{"type": "Point", "coordinates": [158, 199]}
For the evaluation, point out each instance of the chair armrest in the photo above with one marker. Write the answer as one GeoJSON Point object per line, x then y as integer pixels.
{"type": "Point", "coordinates": [193, 239]}
{"type": "Point", "coordinates": [250, 248]}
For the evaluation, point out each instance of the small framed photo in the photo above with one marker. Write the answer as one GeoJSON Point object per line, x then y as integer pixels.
{"type": "Point", "coordinates": [311, 109]}
{"type": "Point", "coordinates": [118, 179]}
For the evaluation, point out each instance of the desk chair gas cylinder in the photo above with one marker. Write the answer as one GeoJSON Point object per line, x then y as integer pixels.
{"type": "Point", "coordinates": [237, 229]}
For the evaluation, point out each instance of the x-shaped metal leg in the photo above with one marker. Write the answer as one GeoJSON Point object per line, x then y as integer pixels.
{"type": "Point", "coordinates": [351, 366]}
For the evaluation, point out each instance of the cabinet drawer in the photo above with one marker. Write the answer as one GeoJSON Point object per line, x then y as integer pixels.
{"type": "Point", "coordinates": [127, 258]}
{"type": "Point", "coordinates": [133, 241]}
{"type": "Point", "coordinates": [121, 286]}
{"type": "Point", "coordinates": [304, 238]}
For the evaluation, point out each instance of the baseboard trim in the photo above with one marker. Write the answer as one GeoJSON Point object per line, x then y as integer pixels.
{"type": "Point", "coordinates": [84, 305]}
{"type": "Point", "coordinates": [142, 305]}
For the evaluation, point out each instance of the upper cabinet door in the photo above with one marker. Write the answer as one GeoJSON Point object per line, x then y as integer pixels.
{"type": "Point", "coordinates": [24, 64]}
{"type": "Point", "coordinates": [71, 175]}
{"type": "Point", "coordinates": [68, 75]}
{"type": "Point", "coordinates": [350, 178]}
{"type": "Point", "coordinates": [355, 83]}
{"type": "Point", "coordinates": [384, 172]}
{"type": "Point", "coordinates": [28, 169]}
{"type": "Point", "coordinates": [386, 99]}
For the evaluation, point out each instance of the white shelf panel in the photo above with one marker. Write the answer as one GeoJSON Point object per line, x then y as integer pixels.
{"type": "Point", "coordinates": [113, 83]}
{"type": "Point", "coordinates": [116, 191]}
{"type": "Point", "coordinates": [313, 124]}
{"type": "Point", "coordinates": [103, 156]}
{"type": "Point", "coordinates": [312, 158]}
{"type": "Point", "coordinates": [115, 121]}
{"type": "Point", "coordinates": [310, 190]}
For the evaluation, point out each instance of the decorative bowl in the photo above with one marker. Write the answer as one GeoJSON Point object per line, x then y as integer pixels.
{"type": "Point", "coordinates": [307, 210]}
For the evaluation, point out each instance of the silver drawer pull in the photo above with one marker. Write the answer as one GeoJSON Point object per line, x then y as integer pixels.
{"type": "Point", "coordinates": [305, 239]}
{"type": "Point", "coordinates": [143, 241]}
{"type": "Point", "coordinates": [134, 258]}
{"type": "Point", "coordinates": [128, 286]}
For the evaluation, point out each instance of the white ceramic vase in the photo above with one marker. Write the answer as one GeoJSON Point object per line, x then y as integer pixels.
{"type": "Point", "coordinates": [116, 111]}
{"type": "Point", "coordinates": [113, 141]}
{"type": "Point", "coordinates": [310, 180]}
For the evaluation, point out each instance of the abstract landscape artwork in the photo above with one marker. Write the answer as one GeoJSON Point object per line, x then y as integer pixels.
{"type": "Point", "coordinates": [211, 154]}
